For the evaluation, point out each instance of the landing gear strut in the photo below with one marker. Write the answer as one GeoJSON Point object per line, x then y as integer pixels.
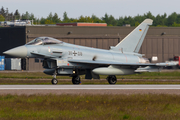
{"type": "Point", "coordinates": [76, 79]}
{"type": "Point", "coordinates": [112, 79]}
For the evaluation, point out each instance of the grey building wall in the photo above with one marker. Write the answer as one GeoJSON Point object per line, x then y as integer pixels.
{"type": "Point", "coordinates": [11, 37]}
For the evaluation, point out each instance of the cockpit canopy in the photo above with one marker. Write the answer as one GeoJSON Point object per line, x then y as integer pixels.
{"type": "Point", "coordinates": [44, 41]}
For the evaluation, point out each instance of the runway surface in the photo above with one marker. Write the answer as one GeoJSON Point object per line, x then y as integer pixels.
{"type": "Point", "coordinates": [89, 89]}
{"type": "Point", "coordinates": [86, 87]}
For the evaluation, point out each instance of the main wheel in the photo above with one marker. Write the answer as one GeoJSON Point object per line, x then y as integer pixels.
{"type": "Point", "coordinates": [112, 79]}
{"type": "Point", "coordinates": [54, 81]}
{"type": "Point", "coordinates": [76, 80]}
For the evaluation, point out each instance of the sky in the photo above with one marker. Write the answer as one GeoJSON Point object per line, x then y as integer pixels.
{"type": "Point", "coordinates": [76, 8]}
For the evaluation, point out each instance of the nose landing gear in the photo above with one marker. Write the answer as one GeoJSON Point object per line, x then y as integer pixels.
{"type": "Point", "coordinates": [54, 81]}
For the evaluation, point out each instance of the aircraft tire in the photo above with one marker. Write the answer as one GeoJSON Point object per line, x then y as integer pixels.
{"type": "Point", "coordinates": [76, 80]}
{"type": "Point", "coordinates": [54, 81]}
{"type": "Point", "coordinates": [112, 79]}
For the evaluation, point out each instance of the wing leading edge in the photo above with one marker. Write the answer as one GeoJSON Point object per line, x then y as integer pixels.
{"type": "Point", "coordinates": [122, 64]}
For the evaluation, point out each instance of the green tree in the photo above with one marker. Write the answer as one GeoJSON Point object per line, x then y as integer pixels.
{"type": "Point", "coordinates": [55, 18]}
{"type": "Point", "coordinates": [161, 26]}
{"type": "Point", "coordinates": [31, 16]}
{"type": "Point", "coordinates": [50, 16]}
{"type": "Point", "coordinates": [65, 18]}
{"type": "Point", "coordinates": [2, 11]}
{"type": "Point", "coordinates": [139, 18]}
{"type": "Point", "coordinates": [105, 18]}
{"type": "Point", "coordinates": [157, 21]}
{"type": "Point", "coordinates": [163, 19]}
{"type": "Point", "coordinates": [6, 14]}
{"type": "Point", "coordinates": [129, 20]}
{"type": "Point", "coordinates": [2, 18]}
{"type": "Point", "coordinates": [160, 20]}
{"type": "Point", "coordinates": [175, 24]}
{"type": "Point", "coordinates": [25, 16]}
{"type": "Point", "coordinates": [120, 21]}
{"type": "Point", "coordinates": [171, 19]}
{"type": "Point", "coordinates": [95, 19]}
{"type": "Point", "coordinates": [49, 22]}
{"type": "Point", "coordinates": [17, 14]}
{"type": "Point", "coordinates": [149, 15]}
{"type": "Point", "coordinates": [110, 20]}
{"type": "Point", "coordinates": [11, 16]}
{"type": "Point", "coordinates": [72, 20]}
{"type": "Point", "coordinates": [137, 23]}
{"type": "Point", "coordinates": [42, 20]}
{"type": "Point", "coordinates": [178, 18]}
{"type": "Point", "coordinates": [85, 19]}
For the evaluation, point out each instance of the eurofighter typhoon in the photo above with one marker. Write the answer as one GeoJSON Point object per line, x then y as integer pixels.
{"type": "Point", "coordinates": [60, 58]}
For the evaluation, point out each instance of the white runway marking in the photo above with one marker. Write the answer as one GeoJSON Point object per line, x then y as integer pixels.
{"type": "Point", "coordinates": [89, 87]}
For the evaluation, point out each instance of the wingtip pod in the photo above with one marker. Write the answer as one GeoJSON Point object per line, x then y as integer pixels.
{"type": "Point", "coordinates": [148, 21]}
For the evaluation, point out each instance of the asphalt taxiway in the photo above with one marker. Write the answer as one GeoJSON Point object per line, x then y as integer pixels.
{"type": "Point", "coordinates": [89, 89]}
{"type": "Point", "coordinates": [86, 87]}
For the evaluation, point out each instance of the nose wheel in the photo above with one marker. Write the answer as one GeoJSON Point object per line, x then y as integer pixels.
{"type": "Point", "coordinates": [54, 81]}
{"type": "Point", "coordinates": [76, 80]}
{"type": "Point", "coordinates": [112, 79]}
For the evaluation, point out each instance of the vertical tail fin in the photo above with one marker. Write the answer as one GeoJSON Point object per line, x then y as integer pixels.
{"type": "Point", "coordinates": [133, 41]}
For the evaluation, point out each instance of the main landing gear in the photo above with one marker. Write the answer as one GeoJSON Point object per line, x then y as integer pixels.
{"type": "Point", "coordinates": [76, 80]}
{"type": "Point", "coordinates": [111, 79]}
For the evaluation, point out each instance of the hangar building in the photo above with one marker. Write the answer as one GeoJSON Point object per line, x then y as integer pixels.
{"type": "Point", "coordinates": [162, 42]}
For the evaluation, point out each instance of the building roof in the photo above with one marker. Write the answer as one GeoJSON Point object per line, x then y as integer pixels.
{"type": "Point", "coordinates": [81, 24]}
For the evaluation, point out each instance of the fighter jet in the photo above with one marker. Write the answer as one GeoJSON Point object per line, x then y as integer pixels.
{"type": "Point", "coordinates": [60, 58]}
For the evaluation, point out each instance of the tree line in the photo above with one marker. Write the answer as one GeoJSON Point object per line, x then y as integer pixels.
{"type": "Point", "coordinates": [173, 20]}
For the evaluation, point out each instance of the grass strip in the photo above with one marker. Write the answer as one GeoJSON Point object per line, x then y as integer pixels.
{"type": "Point", "coordinates": [41, 78]}
{"type": "Point", "coordinates": [80, 107]}
{"type": "Point", "coordinates": [40, 75]}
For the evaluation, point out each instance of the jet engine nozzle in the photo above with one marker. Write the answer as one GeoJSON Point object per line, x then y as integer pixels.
{"type": "Point", "coordinates": [20, 51]}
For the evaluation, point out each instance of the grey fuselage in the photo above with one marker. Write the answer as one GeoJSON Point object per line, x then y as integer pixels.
{"type": "Point", "coordinates": [65, 51]}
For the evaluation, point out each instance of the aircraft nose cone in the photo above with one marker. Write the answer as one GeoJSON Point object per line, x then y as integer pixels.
{"type": "Point", "coordinates": [17, 52]}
